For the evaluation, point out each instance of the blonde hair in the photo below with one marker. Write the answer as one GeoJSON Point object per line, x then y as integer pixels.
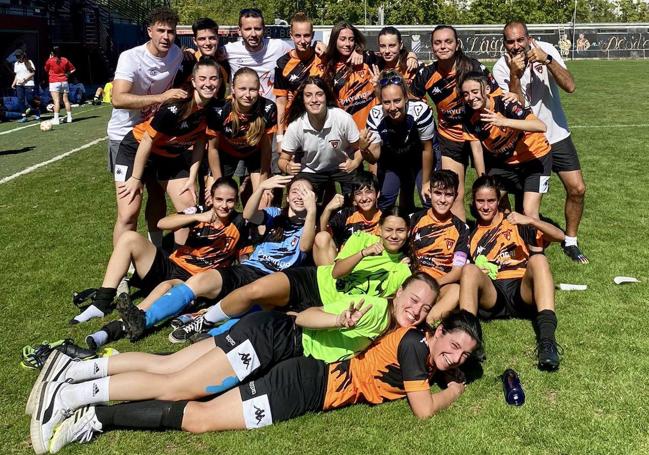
{"type": "Point", "coordinates": [257, 127]}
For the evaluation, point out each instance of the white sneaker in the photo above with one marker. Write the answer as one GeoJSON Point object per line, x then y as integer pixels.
{"type": "Point", "coordinates": [79, 427]}
{"type": "Point", "coordinates": [53, 370]}
{"type": "Point", "coordinates": [49, 413]}
{"type": "Point", "coordinates": [68, 120]}
{"type": "Point", "coordinates": [55, 122]}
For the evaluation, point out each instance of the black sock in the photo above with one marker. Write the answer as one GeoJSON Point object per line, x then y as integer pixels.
{"type": "Point", "coordinates": [115, 330]}
{"type": "Point", "coordinates": [546, 323]}
{"type": "Point", "coordinates": [144, 415]}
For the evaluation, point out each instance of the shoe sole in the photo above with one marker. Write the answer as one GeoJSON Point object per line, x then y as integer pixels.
{"type": "Point", "coordinates": [175, 340]}
{"type": "Point", "coordinates": [42, 377]}
{"type": "Point", "coordinates": [40, 445]}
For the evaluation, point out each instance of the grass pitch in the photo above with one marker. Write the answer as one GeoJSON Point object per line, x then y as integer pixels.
{"type": "Point", "coordinates": [55, 237]}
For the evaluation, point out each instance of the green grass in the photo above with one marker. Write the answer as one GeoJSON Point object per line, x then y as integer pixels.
{"type": "Point", "coordinates": [56, 237]}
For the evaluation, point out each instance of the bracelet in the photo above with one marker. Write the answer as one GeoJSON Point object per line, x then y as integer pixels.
{"type": "Point", "coordinates": [362, 255]}
{"type": "Point", "coordinates": [134, 177]}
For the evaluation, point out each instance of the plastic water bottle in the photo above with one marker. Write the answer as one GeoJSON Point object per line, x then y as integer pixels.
{"type": "Point", "coordinates": [512, 388]}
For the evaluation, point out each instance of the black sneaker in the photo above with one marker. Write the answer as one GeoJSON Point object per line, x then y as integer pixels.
{"type": "Point", "coordinates": [548, 355]}
{"type": "Point", "coordinates": [134, 318]}
{"type": "Point", "coordinates": [184, 333]}
{"type": "Point", "coordinates": [197, 337]}
{"type": "Point", "coordinates": [574, 253]}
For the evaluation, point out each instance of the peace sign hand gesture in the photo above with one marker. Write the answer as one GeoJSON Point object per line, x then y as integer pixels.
{"type": "Point", "coordinates": [350, 317]}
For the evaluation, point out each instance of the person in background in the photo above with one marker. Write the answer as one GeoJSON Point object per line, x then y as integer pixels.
{"type": "Point", "coordinates": [24, 85]}
{"type": "Point", "coordinates": [59, 70]}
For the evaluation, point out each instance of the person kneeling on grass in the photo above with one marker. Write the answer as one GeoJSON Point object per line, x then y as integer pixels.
{"type": "Point", "coordinates": [368, 265]}
{"type": "Point", "coordinates": [510, 277]}
{"type": "Point", "coordinates": [398, 365]}
{"type": "Point", "coordinates": [440, 241]}
{"type": "Point", "coordinates": [215, 236]}
{"type": "Point", "coordinates": [363, 216]}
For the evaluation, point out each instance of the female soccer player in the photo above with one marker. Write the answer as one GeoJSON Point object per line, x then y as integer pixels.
{"type": "Point", "coordinates": [395, 56]}
{"type": "Point", "coordinates": [58, 69]}
{"type": "Point", "coordinates": [321, 141]}
{"type": "Point", "coordinates": [242, 126]}
{"type": "Point", "coordinates": [509, 276]}
{"type": "Point", "coordinates": [215, 236]}
{"type": "Point", "coordinates": [399, 365]}
{"type": "Point", "coordinates": [517, 150]}
{"type": "Point", "coordinates": [159, 148]}
{"type": "Point", "coordinates": [287, 238]}
{"type": "Point", "coordinates": [367, 264]}
{"type": "Point", "coordinates": [402, 143]}
{"type": "Point", "coordinates": [439, 81]}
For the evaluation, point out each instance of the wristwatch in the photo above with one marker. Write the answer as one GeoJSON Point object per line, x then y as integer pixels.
{"type": "Point", "coordinates": [548, 60]}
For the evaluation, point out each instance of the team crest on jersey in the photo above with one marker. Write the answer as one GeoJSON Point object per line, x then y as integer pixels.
{"type": "Point", "coordinates": [507, 234]}
{"type": "Point", "coordinates": [539, 69]}
{"type": "Point", "coordinates": [335, 143]}
{"type": "Point", "coordinates": [418, 108]}
{"type": "Point", "coordinates": [449, 243]}
{"type": "Point", "coordinates": [294, 241]}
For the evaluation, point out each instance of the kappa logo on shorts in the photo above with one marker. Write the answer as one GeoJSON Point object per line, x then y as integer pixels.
{"type": "Point", "coordinates": [544, 184]}
{"type": "Point", "coordinates": [257, 413]}
{"type": "Point", "coordinates": [243, 359]}
{"type": "Point", "coordinates": [120, 172]}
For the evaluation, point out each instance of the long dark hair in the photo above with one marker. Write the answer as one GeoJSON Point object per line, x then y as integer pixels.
{"type": "Point", "coordinates": [276, 233]}
{"type": "Point", "coordinates": [28, 63]}
{"type": "Point", "coordinates": [470, 324]}
{"type": "Point", "coordinates": [297, 108]}
{"type": "Point", "coordinates": [406, 249]}
{"type": "Point", "coordinates": [332, 56]}
{"type": "Point", "coordinates": [462, 63]}
{"type": "Point", "coordinates": [403, 52]}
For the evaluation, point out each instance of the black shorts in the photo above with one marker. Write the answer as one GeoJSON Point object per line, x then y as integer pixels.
{"type": "Point", "coordinates": [320, 180]}
{"type": "Point", "coordinates": [564, 156]}
{"type": "Point", "coordinates": [259, 341]}
{"type": "Point", "coordinates": [162, 269]}
{"type": "Point", "coordinates": [304, 288]}
{"type": "Point", "coordinates": [161, 168]}
{"type": "Point", "coordinates": [509, 303]}
{"type": "Point", "coordinates": [457, 151]}
{"type": "Point", "coordinates": [229, 163]}
{"type": "Point", "coordinates": [530, 177]}
{"type": "Point", "coordinates": [290, 389]}
{"type": "Point", "coordinates": [237, 276]}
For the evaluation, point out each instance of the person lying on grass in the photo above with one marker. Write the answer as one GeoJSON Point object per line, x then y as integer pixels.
{"type": "Point", "coordinates": [398, 365]}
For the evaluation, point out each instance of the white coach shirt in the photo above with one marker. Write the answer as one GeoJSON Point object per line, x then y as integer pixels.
{"type": "Point", "coordinates": [262, 61]}
{"type": "Point", "coordinates": [541, 92]}
{"type": "Point", "coordinates": [326, 149]}
{"type": "Point", "coordinates": [149, 75]}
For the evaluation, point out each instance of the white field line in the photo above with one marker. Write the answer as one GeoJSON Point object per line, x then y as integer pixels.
{"type": "Point", "coordinates": [38, 123]}
{"type": "Point", "coordinates": [56, 158]}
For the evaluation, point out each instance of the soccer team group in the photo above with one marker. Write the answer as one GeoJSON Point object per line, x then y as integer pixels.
{"type": "Point", "coordinates": [326, 298]}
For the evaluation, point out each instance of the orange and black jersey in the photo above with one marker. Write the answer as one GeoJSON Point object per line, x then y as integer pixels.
{"type": "Point", "coordinates": [438, 245]}
{"type": "Point", "coordinates": [184, 74]}
{"type": "Point", "coordinates": [441, 87]}
{"type": "Point", "coordinates": [219, 124]}
{"type": "Point", "coordinates": [506, 245]}
{"type": "Point", "coordinates": [506, 144]}
{"type": "Point", "coordinates": [211, 245]}
{"type": "Point", "coordinates": [354, 90]}
{"type": "Point", "coordinates": [171, 135]}
{"type": "Point", "coordinates": [348, 220]}
{"type": "Point", "coordinates": [290, 72]}
{"type": "Point", "coordinates": [395, 364]}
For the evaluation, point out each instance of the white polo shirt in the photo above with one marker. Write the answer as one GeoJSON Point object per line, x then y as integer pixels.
{"type": "Point", "coordinates": [263, 61]}
{"type": "Point", "coordinates": [323, 150]}
{"type": "Point", "coordinates": [541, 92]}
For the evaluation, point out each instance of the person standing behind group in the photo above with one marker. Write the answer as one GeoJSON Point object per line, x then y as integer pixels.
{"type": "Point", "coordinates": [294, 67]}
{"type": "Point", "coordinates": [23, 83]}
{"type": "Point", "coordinates": [58, 69]}
{"type": "Point", "coordinates": [439, 81]}
{"type": "Point", "coordinates": [534, 71]}
{"type": "Point", "coordinates": [395, 56]}
{"type": "Point", "coordinates": [143, 80]}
